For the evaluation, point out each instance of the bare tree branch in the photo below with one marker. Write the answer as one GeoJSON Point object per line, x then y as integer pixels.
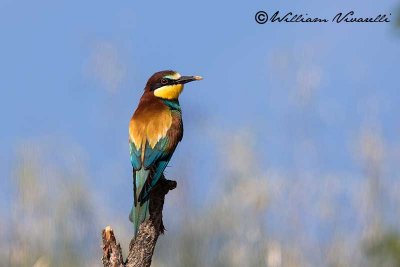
{"type": "Point", "coordinates": [141, 248]}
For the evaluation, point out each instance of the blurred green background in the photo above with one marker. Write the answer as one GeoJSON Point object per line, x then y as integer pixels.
{"type": "Point", "coordinates": [291, 149]}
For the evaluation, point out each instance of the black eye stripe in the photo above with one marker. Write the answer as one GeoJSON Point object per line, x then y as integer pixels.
{"type": "Point", "coordinates": [168, 81]}
{"type": "Point", "coordinates": [161, 84]}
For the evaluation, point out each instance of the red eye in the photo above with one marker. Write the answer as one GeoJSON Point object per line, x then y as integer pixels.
{"type": "Point", "coordinates": [164, 81]}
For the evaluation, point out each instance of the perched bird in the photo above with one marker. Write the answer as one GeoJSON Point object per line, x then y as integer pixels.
{"type": "Point", "coordinates": [154, 132]}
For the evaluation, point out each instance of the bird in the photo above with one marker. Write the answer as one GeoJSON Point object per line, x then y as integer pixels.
{"type": "Point", "coordinates": [155, 130]}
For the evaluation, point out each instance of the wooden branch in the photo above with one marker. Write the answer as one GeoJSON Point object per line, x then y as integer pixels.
{"type": "Point", "coordinates": [142, 247]}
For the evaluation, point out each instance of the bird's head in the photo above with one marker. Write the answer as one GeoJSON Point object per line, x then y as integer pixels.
{"type": "Point", "coordinates": [168, 84]}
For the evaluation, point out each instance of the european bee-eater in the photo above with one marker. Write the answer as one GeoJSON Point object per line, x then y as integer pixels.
{"type": "Point", "coordinates": [154, 132]}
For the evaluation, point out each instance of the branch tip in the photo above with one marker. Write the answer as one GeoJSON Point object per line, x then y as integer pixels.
{"type": "Point", "coordinates": [142, 247]}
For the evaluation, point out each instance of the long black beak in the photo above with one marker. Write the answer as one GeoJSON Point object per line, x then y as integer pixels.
{"type": "Point", "coordinates": [186, 79]}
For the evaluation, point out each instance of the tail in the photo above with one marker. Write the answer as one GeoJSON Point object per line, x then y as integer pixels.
{"type": "Point", "coordinates": [140, 209]}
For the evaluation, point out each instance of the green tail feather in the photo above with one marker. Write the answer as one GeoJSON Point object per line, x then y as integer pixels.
{"type": "Point", "coordinates": [140, 210]}
{"type": "Point", "coordinates": [138, 215]}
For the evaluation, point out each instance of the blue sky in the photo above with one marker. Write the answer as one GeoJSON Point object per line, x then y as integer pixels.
{"type": "Point", "coordinates": [73, 71]}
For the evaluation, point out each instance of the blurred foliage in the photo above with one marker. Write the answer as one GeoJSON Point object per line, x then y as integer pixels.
{"type": "Point", "coordinates": [253, 216]}
{"type": "Point", "coordinates": [233, 229]}
{"type": "Point", "coordinates": [52, 217]}
{"type": "Point", "coordinates": [398, 18]}
{"type": "Point", "coordinates": [230, 230]}
{"type": "Point", "coordinates": [385, 251]}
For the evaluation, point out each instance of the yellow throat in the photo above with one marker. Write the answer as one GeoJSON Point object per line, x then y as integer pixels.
{"type": "Point", "coordinates": [169, 91]}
